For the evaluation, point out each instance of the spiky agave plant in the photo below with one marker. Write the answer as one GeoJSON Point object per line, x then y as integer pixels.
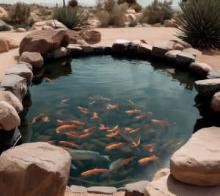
{"type": "Point", "coordinates": [199, 23]}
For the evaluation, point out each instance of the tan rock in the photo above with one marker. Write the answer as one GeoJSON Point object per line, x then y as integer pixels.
{"type": "Point", "coordinates": [20, 30]}
{"type": "Point", "coordinates": [44, 41]}
{"type": "Point", "coordinates": [3, 12]}
{"type": "Point", "coordinates": [34, 169]}
{"type": "Point", "coordinates": [208, 86]}
{"type": "Point", "coordinates": [9, 118]}
{"type": "Point", "coordinates": [22, 70]}
{"type": "Point", "coordinates": [197, 161]}
{"type": "Point", "coordinates": [161, 48]}
{"type": "Point", "coordinates": [91, 36]}
{"type": "Point", "coordinates": [144, 49]}
{"type": "Point", "coordinates": [167, 186]}
{"type": "Point", "coordinates": [120, 47]}
{"type": "Point", "coordinates": [4, 47]}
{"type": "Point", "coordinates": [215, 103]}
{"type": "Point", "coordinates": [10, 98]}
{"type": "Point", "coordinates": [171, 55]}
{"type": "Point", "coordinates": [200, 68]}
{"type": "Point", "coordinates": [193, 51]}
{"type": "Point", "coordinates": [48, 24]}
{"type": "Point", "coordinates": [34, 58]}
{"type": "Point", "coordinates": [161, 173]}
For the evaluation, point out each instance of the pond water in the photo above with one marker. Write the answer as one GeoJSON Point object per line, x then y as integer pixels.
{"type": "Point", "coordinates": [123, 118]}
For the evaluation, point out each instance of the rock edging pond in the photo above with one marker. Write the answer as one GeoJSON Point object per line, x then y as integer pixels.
{"type": "Point", "coordinates": [18, 78]}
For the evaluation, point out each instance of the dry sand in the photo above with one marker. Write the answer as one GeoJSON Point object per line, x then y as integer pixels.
{"type": "Point", "coordinates": [109, 35]}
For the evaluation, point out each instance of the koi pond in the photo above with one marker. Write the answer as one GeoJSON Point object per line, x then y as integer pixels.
{"type": "Point", "coordinates": [120, 119]}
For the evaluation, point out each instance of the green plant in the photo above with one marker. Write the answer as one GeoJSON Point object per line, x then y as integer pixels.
{"type": "Point", "coordinates": [71, 16]}
{"type": "Point", "coordinates": [157, 12]}
{"type": "Point", "coordinates": [19, 14]}
{"type": "Point", "coordinates": [199, 23]}
{"type": "Point", "coordinates": [132, 4]}
{"type": "Point", "coordinates": [110, 13]}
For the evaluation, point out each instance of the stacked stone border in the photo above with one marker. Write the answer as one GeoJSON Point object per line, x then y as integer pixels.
{"type": "Point", "coordinates": [18, 78]}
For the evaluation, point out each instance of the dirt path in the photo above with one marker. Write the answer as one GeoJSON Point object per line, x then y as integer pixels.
{"type": "Point", "coordinates": [109, 35]}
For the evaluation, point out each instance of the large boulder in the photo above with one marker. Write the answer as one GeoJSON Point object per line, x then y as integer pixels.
{"type": "Point", "coordinates": [198, 161]}
{"type": "Point", "coordinates": [22, 70]}
{"type": "Point", "coordinates": [215, 103]}
{"type": "Point", "coordinates": [4, 26]}
{"type": "Point", "coordinates": [91, 36]}
{"type": "Point", "coordinates": [16, 84]}
{"type": "Point", "coordinates": [34, 169]}
{"type": "Point", "coordinates": [9, 118]}
{"type": "Point", "coordinates": [167, 186]}
{"type": "Point", "coordinates": [208, 86]}
{"type": "Point", "coordinates": [34, 58]}
{"type": "Point", "coordinates": [44, 41]}
{"type": "Point", "coordinates": [161, 48]}
{"type": "Point", "coordinates": [10, 98]}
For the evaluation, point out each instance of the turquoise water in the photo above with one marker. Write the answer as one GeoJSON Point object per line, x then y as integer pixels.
{"type": "Point", "coordinates": [149, 112]}
{"type": "Point", "coordinates": [83, 2]}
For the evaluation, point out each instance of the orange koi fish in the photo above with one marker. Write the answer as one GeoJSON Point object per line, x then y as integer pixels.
{"type": "Point", "coordinates": [65, 127]}
{"type": "Point", "coordinates": [95, 116]}
{"type": "Point", "coordinates": [140, 117]}
{"type": "Point", "coordinates": [146, 160]}
{"type": "Point", "coordinates": [135, 111]}
{"type": "Point", "coordinates": [128, 129]}
{"type": "Point", "coordinates": [114, 146]}
{"type": "Point", "coordinates": [88, 130]}
{"type": "Point", "coordinates": [112, 106]}
{"type": "Point", "coordinates": [77, 136]}
{"type": "Point", "coordinates": [136, 142]}
{"type": "Point", "coordinates": [116, 128]}
{"type": "Point", "coordinates": [83, 110]}
{"type": "Point", "coordinates": [149, 147]}
{"type": "Point", "coordinates": [135, 130]}
{"type": "Point", "coordinates": [102, 127]}
{"type": "Point", "coordinates": [94, 172]}
{"type": "Point", "coordinates": [70, 144]}
{"type": "Point", "coordinates": [39, 116]}
{"type": "Point", "coordinates": [113, 135]}
{"type": "Point", "coordinates": [162, 123]}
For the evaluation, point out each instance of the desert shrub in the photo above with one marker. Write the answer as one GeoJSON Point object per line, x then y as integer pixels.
{"type": "Point", "coordinates": [199, 23]}
{"type": "Point", "coordinates": [157, 12]}
{"type": "Point", "coordinates": [73, 3]}
{"type": "Point", "coordinates": [111, 13]}
{"type": "Point", "coordinates": [132, 4]}
{"type": "Point", "coordinates": [19, 14]}
{"type": "Point", "coordinates": [71, 17]}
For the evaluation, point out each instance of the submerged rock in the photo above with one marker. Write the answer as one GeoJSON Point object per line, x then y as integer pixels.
{"type": "Point", "coordinates": [208, 86]}
{"type": "Point", "coordinates": [34, 169]}
{"type": "Point", "coordinates": [215, 103]}
{"type": "Point", "coordinates": [167, 186]}
{"type": "Point", "coordinates": [15, 84]}
{"type": "Point", "coordinates": [197, 161]}
{"type": "Point", "coordinates": [9, 118]}
{"type": "Point", "coordinates": [10, 98]}
{"type": "Point", "coordinates": [34, 58]}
